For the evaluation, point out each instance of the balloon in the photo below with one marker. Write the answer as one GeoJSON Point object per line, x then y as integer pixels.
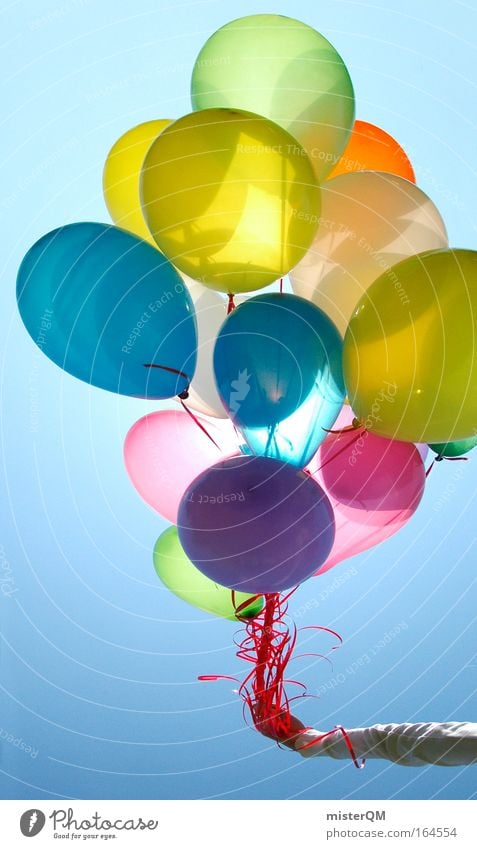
{"type": "Point", "coordinates": [371, 149]}
{"type": "Point", "coordinates": [283, 69]}
{"type": "Point", "coordinates": [277, 363]}
{"type": "Point", "coordinates": [454, 449]}
{"type": "Point", "coordinates": [182, 578]}
{"type": "Point", "coordinates": [210, 312]}
{"type": "Point", "coordinates": [423, 450]}
{"type": "Point", "coordinates": [374, 486]}
{"type": "Point", "coordinates": [369, 222]}
{"type": "Point", "coordinates": [122, 170]}
{"type": "Point", "coordinates": [230, 198]}
{"type": "Point", "coordinates": [256, 525]}
{"type": "Point", "coordinates": [410, 369]}
{"type": "Point", "coordinates": [165, 451]}
{"type": "Point", "coordinates": [110, 310]}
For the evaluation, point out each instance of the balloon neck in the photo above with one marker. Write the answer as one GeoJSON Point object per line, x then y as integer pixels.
{"type": "Point", "coordinates": [183, 396]}
{"type": "Point", "coordinates": [441, 457]}
{"type": "Point", "coordinates": [231, 303]}
{"type": "Point", "coordinates": [356, 424]}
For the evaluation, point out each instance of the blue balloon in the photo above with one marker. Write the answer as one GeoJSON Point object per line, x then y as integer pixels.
{"type": "Point", "coordinates": [109, 309]}
{"type": "Point", "coordinates": [277, 363]}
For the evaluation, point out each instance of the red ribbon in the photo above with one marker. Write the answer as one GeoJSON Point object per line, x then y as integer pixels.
{"type": "Point", "coordinates": [268, 645]}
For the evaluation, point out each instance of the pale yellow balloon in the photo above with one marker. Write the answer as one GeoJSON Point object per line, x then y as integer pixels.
{"type": "Point", "coordinates": [121, 177]}
{"type": "Point", "coordinates": [369, 221]}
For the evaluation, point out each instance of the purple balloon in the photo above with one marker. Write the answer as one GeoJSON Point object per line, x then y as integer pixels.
{"type": "Point", "coordinates": [255, 524]}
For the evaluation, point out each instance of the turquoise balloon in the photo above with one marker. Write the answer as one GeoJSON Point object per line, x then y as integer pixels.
{"type": "Point", "coordinates": [277, 363]}
{"type": "Point", "coordinates": [109, 309]}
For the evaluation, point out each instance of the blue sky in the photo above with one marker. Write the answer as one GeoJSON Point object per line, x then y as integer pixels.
{"type": "Point", "coordinates": [98, 662]}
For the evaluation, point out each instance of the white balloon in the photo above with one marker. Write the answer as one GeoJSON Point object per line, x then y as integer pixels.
{"type": "Point", "coordinates": [369, 221]}
{"type": "Point", "coordinates": [211, 312]}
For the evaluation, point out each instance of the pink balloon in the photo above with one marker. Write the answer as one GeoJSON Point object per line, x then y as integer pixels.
{"type": "Point", "coordinates": [374, 486]}
{"type": "Point", "coordinates": [165, 451]}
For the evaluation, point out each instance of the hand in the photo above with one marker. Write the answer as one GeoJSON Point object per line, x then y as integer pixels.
{"type": "Point", "coordinates": [295, 727]}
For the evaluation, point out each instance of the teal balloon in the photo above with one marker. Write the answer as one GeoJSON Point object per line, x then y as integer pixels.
{"type": "Point", "coordinates": [454, 449]}
{"type": "Point", "coordinates": [277, 364]}
{"type": "Point", "coordinates": [109, 309]}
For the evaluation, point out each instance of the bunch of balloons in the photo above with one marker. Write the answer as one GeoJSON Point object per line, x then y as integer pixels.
{"type": "Point", "coordinates": [302, 409]}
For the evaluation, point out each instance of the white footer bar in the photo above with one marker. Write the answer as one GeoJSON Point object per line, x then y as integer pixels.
{"type": "Point", "coordinates": [240, 824]}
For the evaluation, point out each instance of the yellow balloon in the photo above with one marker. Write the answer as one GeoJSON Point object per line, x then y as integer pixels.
{"type": "Point", "coordinates": [121, 174]}
{"type": "Point", "coordinates": [410, 360]}
{"type": "Point", "coordinates": [230, 198]}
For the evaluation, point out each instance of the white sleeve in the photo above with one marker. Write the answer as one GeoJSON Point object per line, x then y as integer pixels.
{"type": "Point", "coordinates": [408, 744]}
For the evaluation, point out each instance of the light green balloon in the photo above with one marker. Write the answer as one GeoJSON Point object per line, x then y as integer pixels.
{"type": "Point", "coordinates": [286, 71]}
{"type": "Point", "coordinates": [182, 578]}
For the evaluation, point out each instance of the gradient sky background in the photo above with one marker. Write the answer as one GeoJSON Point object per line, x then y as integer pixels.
{"type": "Point", "coordinates": [98, 661]}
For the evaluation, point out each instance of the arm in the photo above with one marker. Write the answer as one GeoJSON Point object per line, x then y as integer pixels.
{"type": "Point", "coordinates": [408, 744]}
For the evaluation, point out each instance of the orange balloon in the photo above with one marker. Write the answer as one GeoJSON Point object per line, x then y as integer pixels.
{"type": "Point", "coordinates": [372, 149]}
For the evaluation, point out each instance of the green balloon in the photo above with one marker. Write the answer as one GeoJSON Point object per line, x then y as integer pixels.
{"type": "Point", "coordinates": [454, 449]}
{"type": "Point", "coordinates": [182, 578]}
{"type": "Point", "coordinates": [286, 71]}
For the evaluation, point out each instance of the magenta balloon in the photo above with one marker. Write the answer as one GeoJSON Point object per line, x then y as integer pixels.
{"type": "Point", "coordinates": [374, 486]}
{"type": "Point", "coordinates": [165, 451]}
{"type": "Point", "coordinates": [255, 524]}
